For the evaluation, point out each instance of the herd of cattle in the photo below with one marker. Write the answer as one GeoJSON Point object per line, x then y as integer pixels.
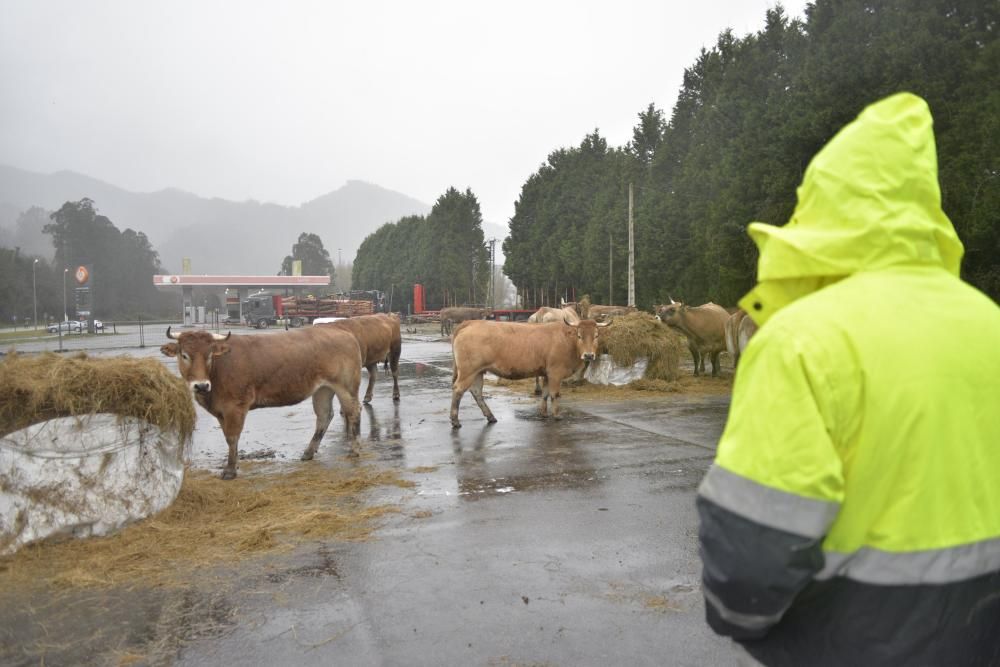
{"type": "Point", "coordinates": [231, 375]}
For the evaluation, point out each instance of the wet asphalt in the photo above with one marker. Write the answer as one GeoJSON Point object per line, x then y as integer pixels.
{"type": "Point", "coordinates": [526, 542]}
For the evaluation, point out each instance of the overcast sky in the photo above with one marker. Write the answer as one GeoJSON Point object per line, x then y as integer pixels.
{"type": "Point", "coordinates": [285, 101]}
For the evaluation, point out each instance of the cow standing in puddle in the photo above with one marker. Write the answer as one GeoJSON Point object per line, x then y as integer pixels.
{"type": "Point", "coordinates": [231, 375]}
{"type": "Point", "coordinates": [516, 351]}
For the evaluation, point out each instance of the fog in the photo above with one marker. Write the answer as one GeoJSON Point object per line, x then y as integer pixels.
{"type": "Point", "coordinates": [283, 102]}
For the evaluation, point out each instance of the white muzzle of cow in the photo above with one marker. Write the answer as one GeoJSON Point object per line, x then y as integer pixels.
{"type": "Point", "coordinates": [587, 356]}
{"type": "Point", "coordinates": [201, 386]}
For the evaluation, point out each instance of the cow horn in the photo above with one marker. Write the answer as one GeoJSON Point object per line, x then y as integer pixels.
{"type": "Point", "coordinates": [572, 324]}
{"type": "Point", "coordinates": [216, 336]}
{"type": "Point", "coordinates": [671, 299]}
{"type": "Point", "coordinates": [604, 324]}
{"type": "Point", "coordinates": [173, 336]}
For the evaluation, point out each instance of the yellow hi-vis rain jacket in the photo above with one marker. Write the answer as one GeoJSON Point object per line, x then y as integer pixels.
{"type": "Point", "coordinates": [852, 515]}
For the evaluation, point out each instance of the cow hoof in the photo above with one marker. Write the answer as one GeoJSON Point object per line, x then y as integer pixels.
{"type": "Point", "coordinates": [306, 456]}
{"type": "Point", "coordinates": [455, 425]}
{"type": "Point", "coordinates": [367, 400]}
{"type": "Point", "coordinates": [491, 420]}
{"type": "Point", "coordinates": [538, 392]}
{"type": "Point", "coordinates": [395, 399]}
{"type": "Point", "coordinates": [228, 474]}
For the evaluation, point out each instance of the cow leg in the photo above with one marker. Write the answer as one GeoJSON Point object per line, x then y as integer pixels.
{"type": "Point", "coordinates": [232, 427]}
{"type": "Point", "coordinates": [323, 407]}
{"type": "Point", "coordinates": [577, 377]}
{"type": "Point", "coordinates": [543, 408]}
{"type": "Point", "coordinates": [477, 393]}
{"type": "Point", "coordinates": [458, 388]}
{"type": "Point", "coordinates": [715, 364]}
{"type": "Point", "coordinates": [696, 357]}
{"type": "Point", "coordinates": [351, 409]}
{"type": "Point", "coordinates": [394, 353]}
{"type": "Point", "coordinates": [372, 372]}
{"type": "Point", "coordinates": [538, 385]}
{"type": "Point", "coordinates": [553, 392]}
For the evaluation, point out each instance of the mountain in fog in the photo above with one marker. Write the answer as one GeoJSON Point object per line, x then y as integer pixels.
{"type": "Point", "coordinates": [219, 236]}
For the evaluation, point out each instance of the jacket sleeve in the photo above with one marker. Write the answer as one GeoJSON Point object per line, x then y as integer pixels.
{"type": "Point", "coordinates": [774, 489]}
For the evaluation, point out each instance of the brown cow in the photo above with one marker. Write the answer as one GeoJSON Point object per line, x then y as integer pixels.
{"type": "Point", "coordinates": [457, 315]}
{"type": "Point", "coordinates": [231, 375]}
{"type": "Point", "coordinates": [379, 339]}
{"type": "Point", "coordinates": [739, 329]}
{"type": "Point", "coordinates": [704, 327]}
{"type": "Point", "coordinates": [515, 351]}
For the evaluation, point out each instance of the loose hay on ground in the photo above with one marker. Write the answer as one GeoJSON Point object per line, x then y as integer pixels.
{"type": "Point", "coordinates": [37, 388]}
{"type": "Point", "coordinates": [213, 522]}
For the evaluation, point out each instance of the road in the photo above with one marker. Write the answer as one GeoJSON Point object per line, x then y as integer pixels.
{"type": "Point", "coordinates": [528, 542]}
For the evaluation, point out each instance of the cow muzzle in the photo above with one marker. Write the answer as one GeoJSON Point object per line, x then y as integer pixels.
{"type": "Point", "coordinates": [201, 387]}
{"type": "Point", "coordinates": [587, 356]}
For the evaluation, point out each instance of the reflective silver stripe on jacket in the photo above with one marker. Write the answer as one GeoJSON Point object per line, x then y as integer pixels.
{"type": "Point", "coordinates": [748, 621]}
{"type": "Point", "coordinates": [767, 506]}
{"type": "Point", "coordinates": [933, 566]}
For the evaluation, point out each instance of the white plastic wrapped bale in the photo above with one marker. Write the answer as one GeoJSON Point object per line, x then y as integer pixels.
{"type": "Point", "coordinates": [605, 371]}
{"type": "Point", "coordinates": [84, 476]}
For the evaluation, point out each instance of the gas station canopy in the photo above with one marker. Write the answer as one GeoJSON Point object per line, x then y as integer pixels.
{"type": "Point", "coordinates": [168, 281]}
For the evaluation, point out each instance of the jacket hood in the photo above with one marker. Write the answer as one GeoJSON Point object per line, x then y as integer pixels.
{"type": "Point", "coordinates": [869, 200]}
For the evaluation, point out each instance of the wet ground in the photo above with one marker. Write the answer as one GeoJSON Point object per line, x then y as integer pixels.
{"type": "Point", "coordinates": [527, 542]}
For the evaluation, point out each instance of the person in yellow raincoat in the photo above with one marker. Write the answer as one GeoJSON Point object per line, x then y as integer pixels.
{"type": "Point", "coordinates": [852, 514]}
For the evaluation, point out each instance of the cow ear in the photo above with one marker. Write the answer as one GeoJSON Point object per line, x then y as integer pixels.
{"type": "Point", "coordinates": [219, 349]}
{"type": "Point", "coordinates": [169, 350]}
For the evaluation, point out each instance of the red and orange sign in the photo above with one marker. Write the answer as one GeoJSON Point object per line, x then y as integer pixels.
{"type": "Point", "coordinates": [82, 275]}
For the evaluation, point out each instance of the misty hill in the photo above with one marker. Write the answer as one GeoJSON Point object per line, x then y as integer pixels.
{"type": "Point", "coordinates": [219, 236]}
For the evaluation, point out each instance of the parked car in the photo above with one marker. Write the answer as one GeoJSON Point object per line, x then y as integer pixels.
{"type": "Point", "coordinates": [68, 326]}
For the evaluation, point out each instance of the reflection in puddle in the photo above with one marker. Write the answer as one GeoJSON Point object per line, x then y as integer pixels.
{"type": "Point", "coordinates": [540, 456]}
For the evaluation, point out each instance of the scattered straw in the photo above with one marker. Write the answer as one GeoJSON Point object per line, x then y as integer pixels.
{"type": "Point", "coordinates": [212, 522]}
{"type": "Point", "coordinates": [36, 388]}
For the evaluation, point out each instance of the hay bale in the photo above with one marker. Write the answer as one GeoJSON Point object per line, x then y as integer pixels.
{"type": "Point", "coordinates": [87, 445]}
{"type": "Point", "coordinates": [34, 389]}
{"type": "Point", "coordinates": [637, 335]}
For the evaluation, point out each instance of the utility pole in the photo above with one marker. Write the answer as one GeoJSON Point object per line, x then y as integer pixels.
{"type": "Point", "coordinates": [65, 312]}
{"type": "Point", "coordinates": [631, 251]}
{"type": "Point", "coordinates": [34, 299]}
{"type": "Point", "coordinates": [611, 270]}
{"type": "Point", "coordinates": [491, 297]}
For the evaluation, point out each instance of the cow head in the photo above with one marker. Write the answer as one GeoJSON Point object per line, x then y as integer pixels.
{"type": "Point", "coordinates": [586, 337]}
{"type": "Point", "coordinates": [670, 314]}
{"type": "Point", "coordinates": [195, 351]}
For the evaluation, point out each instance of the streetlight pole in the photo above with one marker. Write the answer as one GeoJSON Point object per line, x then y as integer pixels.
{"type": "Point", "coordinates": [65, 312]}
{"type": "Point", "coordinates": [34, 298]}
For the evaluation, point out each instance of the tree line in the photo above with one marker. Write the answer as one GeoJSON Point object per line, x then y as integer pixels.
{"type": "Point", "coordinates": [123, 265]}
{"type": "Point", "coordinates": [751, 113]}
{"type": "Point", "coordinates": [444, 251]}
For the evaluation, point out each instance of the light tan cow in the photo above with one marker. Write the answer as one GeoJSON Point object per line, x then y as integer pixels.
{"type": "Point", "coordinates": [704, 327]}
{"type": "Point", "coordinates": [565, 314]}
{"type": "Point", "coordinates": [231, 375]}
{"type": "Point", "coordinates": [512, 350]}
{"type": "Point", "coordinates": [379, 339]}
